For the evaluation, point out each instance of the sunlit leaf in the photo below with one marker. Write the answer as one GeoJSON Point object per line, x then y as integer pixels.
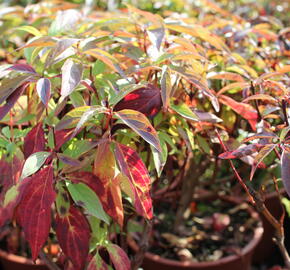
{"type": "Point", "coordinates": [245, 110]}
{"type": "Point", "coordinates": [165, 86]}
{"type": "Point", "coordinates": [160, 158]}
{"type": "Point", "coordinates": [201, 84]}
{"type": "Point", "coordinates": [230, 76]}
{"type": "Point", "coordinates": [66, 20]}
{"type": "Point", "coordinates": [58, 52]}
{"type": "Point", "coordinates": [72, 118]}
{"type": "Point", "coordinates": [182, 109]}
{"type": "Point", "coordinates": [200, 32]}
{"type": "Point", "coordinates": [146, 100]}
{"type": "Point", "coordinates": [156, 36]}
{"type": "Point", "coordinates": [260, 97]}
{"type": "Point", "coordinates": [104, 168]}
{"type": "Point", "coordinates": [141, 125]}
{"type": "Point", "coordinates": [139, 183]}
{"type": "Point", "coordinates": [106, 58]}
{"type": "Point", "coordinates": [30, 29]}
{"type": "Point", "coordinates": [71, 76]}
{"type": "Point", "coordinates": [231, 86]}
{"type": "Point", "coordinates": [33, 163]}
{"type": "Point", "coordinates": [43, 88]}
{"type": "Point", "coordinates": [39, 42]}
{"type": "Point", "coordinates": [87, 115]}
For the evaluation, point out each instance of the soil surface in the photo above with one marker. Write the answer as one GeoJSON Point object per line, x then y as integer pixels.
{"type": "Point", "coordinates": [212, 231]}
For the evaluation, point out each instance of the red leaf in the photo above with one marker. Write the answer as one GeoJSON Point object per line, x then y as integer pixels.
{"type": "Point", "coordinates": [134, 169]}
{"type": "Point", "coordinates": [9, 174]}
{"type": "Point", "coordinates": [35, 208]}
{"type": "Point", "coordinates": [118, 257]}
{"type": "Point", "coordinates": [62, 136]}
{"type": "Point", "coordinates": [146, 100]}
{"type": "Point", "coordinates": [11, 201]}
{"type": "Point", "coordinates": [245, 110]}
{"type": "Point", "coordinates": [97, 263]}
{"type": "Point", "coordinates": [34, 141]}
{"type": "Point", "coordinates": [73, 234]}
{"type": "Point", "coordinates": [263, 152]}
{"type": "Point", "coordinates": [23, 68]}
{"type": "Point", "coordinates": [104, 168]}
{"type": "Point", "coordinates": [11, 100]}
{"type": "Point", "coordinates": [241, 152]}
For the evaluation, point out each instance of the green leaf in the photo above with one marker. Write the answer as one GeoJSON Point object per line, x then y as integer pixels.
{"type": "Point", "coordinates": [34, 163]}
{"type": "Point", "coordinates": [98, 68]}
{"type": "Point", "coordinates": [77, 148]}
{"type": "Point", "coordinates": [160, 158]}
{"type": "Point", "coordinates": [87, 115]}
{"type": "Point", "coordinates": [62, 200]}
{"type": "Point", "coordinates": [30, 29]}
{"type": "Point", "coordinates": [87, 198]}
{"type": "Point", "coordinates": [11, 194]}
{"type": "Point", "coordinates": [99, 232]}
{"type": "Point", "coordinates": [71, 119]}
{"type": "Point", "coordinates": [182, 109]}
{"type": "Point", "coordinates": [165, 86]}
{"type": "Point", "coordinates": [286, 203]}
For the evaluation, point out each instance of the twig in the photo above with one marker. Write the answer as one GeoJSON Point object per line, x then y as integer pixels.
{"type": "Point", "coordinates": [235, 171]}
{"type": "Point", "coordinates": [258, 202]}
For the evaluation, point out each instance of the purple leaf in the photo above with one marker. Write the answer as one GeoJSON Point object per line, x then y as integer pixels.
{"type": "Point", "coordinates": [23, 68]}
{"type": "Point", "coordinates": [43, 87]}
{"type": "Point", "coordinates": [11, 100]}
{"type": "Point", "coordinates": [285, 170]}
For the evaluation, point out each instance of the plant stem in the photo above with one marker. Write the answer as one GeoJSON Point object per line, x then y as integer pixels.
{"type": "Point", "coordinates": [49, 263]}
{"type": "Point", "coordinates": [143, 246]}
{"type": "Point", "coordinates": [189, 183]}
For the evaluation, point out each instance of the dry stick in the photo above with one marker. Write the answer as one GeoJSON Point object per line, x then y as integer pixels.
{"type": "Point", "coordinates": [49, 263]}
{"type": "Point", "coordinates": [257, 201]}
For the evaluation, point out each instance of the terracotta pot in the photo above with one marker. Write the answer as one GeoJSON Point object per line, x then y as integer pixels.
{"type": "Point", "coordinates": [13, 262]}
{"type": "Point", "coordinates": [233, 262]}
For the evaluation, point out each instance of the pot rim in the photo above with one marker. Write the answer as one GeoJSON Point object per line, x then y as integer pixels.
{"type": "Point", "coordinates": [258, 232]}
